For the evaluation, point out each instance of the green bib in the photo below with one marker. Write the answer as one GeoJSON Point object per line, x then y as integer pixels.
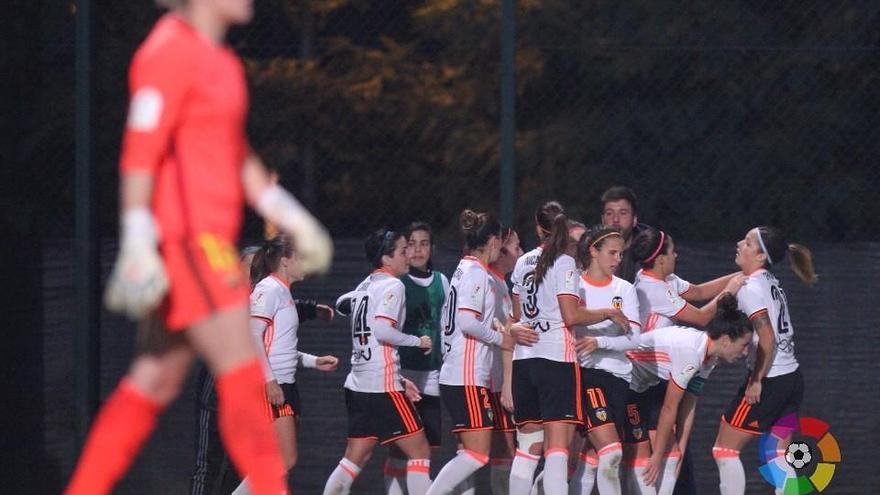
{"type": "Point", "coordinates": [423, 307]}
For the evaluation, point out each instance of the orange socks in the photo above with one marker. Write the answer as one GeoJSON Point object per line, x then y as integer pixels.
{"type": "Point", "coordinates": [124, 423]}
{"type": "Point", "coordinates": [247, 431]}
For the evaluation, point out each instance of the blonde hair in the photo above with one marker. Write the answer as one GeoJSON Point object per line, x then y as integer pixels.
{"type": "Point", "coordinates": [776, 248]}
{"type": "Point", "coordinates": [801, 261]}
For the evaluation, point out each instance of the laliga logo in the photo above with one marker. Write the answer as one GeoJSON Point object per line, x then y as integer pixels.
{"type": "Point", "coordinates": [786, 459]}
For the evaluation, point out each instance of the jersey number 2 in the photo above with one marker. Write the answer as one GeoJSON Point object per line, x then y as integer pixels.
{"type": "Point", "coordinates": [782, 324]}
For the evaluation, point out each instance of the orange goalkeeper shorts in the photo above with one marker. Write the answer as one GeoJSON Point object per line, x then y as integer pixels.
{"type": "Point", "coordinates": [205, 277]}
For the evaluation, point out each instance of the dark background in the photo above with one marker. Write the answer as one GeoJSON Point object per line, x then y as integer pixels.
{"type": "Point", "coordinates": [721, 115]}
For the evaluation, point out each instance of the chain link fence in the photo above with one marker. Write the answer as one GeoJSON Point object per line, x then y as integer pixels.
{"type": "Point", "coordinates": [719, 115]}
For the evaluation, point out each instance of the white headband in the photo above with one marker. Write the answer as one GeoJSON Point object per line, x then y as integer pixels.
{"type": "Point", "coordinates": [763, 247]}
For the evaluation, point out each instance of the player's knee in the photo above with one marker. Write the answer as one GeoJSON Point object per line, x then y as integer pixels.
{"type": "Point", "coordinates": [290, 460]}
{"type": "Point", "coordinates": [530, 441]}
{"type": "Point", "coordinates": [722, 453]}
{"type": "Point", "coordinates": [158, 382]}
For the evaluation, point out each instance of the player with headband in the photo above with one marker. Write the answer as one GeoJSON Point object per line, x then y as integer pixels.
{"type": "Point", "coordinates": [774, 386]}
{"type": "Point", "coordinates": [378, 409]}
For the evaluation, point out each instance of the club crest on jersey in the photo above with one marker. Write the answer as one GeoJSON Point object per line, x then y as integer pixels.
{"type": "Point", "coordinates": [602, 414]}
{"type": "Point", "coordinates": [617, 302]}
{"type": "Point", "coordinates": [673, 296]}
{"type": "Point", "coordinates": [570, 280]}
{"type": "Point", "coordinates": [388, 303]}
{"type": "Point", "coordinates": [637, 433]}
{"type": "Point", "coordinates": [687, 373]}
{"type": "Point", "coordinates": [259, 302]}
{"type": "Point", "coordinates": [476, 293]}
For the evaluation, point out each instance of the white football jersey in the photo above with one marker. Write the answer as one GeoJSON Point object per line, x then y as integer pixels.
{"type": "Point", "coordinates": [466, 360]}
{"type": "Point", "coordinates": [612, 293]}
{"type": "Point", "coordinates": [375, 367]}
{"type": "Point", "coordinates": [660, 300]}
{"type": "Point", "coordinates": [503, 310]}
{"type": "Point", "coordinates": [540, 306]}
{"type": "Point", "coordinates": [762, 294]}
{"type": "Point", "coordinates": [271, 302]}
{"type": "Point", "coordinates": [679, 355]}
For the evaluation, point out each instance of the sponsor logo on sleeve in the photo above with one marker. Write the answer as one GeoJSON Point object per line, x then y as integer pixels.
{"type": "Point", "coordinates": [389, 303]}
{"type": "Point", "coordinates": [476, 295]}
{"type": "Point", "coordinates": [685, 375]}
{"type": "Point", "coordinates": [674, 298]}
{"type": "Point", "coordinates": [145, 109]}
{"type": "Point", "coordinates": [570, 280]}
{"type": "Point", "coordinates": [259, 303]}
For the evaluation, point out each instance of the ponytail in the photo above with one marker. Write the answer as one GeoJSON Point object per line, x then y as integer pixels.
{"type": "Point", "coordinates": [544, 216]}
{"type": "Point", "coordinates": [555, 245]}
{"type": "Point", "coordinates": [801, 261]}
{"type": "Point", "coordinates": [268, 257]}
{"type": "Point", "coordinates": [774, 245]}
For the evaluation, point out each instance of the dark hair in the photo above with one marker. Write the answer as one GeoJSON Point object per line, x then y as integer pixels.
{"type": "Point", "coordinates": [616, 193]}
{"type": "Point", "coordinates": [800, 258]}
{"type": "Point", "coordinates": [380, 243]}
{"type": "Point", "coordinates": [554, 246]}
{"type": "Point", "coordinates": [594, 237]}
{"type": "Point", "coordinates": [268, 257]}
{"type": "Point", "coordinates": [419, 225]}
{"type": "Point", "coordinates": [545, 214]}
{"type": "Point", "coordinates": [478, 228]}
{"type": "Point", "coordinates": [646, 243]}
{"type": "Point", "coordinates": [728, 320]}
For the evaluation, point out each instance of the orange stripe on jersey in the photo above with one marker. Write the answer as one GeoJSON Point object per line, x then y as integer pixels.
{"type": "Point", "coordinates": [268, 336]}
{"type": "Point", "coordinates": [389, 368]}
{"type": "Point", "coordinates": [474, 311]}
{"type": "Point", "coordinates": [469, 360]}
{"type": "Point", "coordinates": [649, 356]}
{"type": "Point", "coordinates": [568, 342]}
{"type": "Point", "coordinates": [650, 322]}
{"type": "Point", "coordinates": [391, 320]}
{"type": "Point", "coordinates": [758, 313]}
{"type": "Point", "coordinates": [601, 397]}
{"type": "Point", "coordinates": [680, 311]}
